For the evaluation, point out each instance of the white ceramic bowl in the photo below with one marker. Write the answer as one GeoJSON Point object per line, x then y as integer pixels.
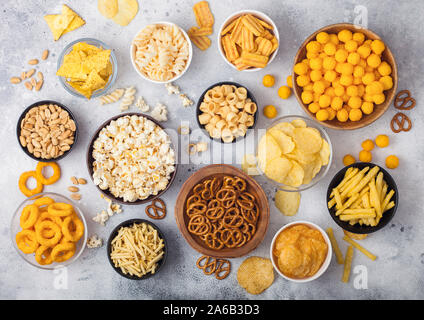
{"type": "Point", "coordinates": [259, 15]}
{"type": "Point", "coordinates": [30, 258]}
{"type": "Point", "coordinates": [190, 53]}
{"type": "Point", "coordinates": [326, 262]}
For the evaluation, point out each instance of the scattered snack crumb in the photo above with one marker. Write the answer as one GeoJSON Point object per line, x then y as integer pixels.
{"type": "Point", "coordinates": [94, 242]}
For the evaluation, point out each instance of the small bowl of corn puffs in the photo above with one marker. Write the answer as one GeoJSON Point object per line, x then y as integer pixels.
{"type": "Point", "coordinates": [248, 40]}
{"type": "Point", "coordinates": [362, 198]}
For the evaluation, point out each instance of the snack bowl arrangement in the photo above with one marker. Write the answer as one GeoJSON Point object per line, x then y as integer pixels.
{"type": "Point", "coordinates": [16, 228]}
{"type": "Point", "coordinates": [201, 100]}
{"type": "Point", "coordinates": [127, 224]}
{"type": "Point", "coordinates": [379, 108]}
{"type": "Point", "coordinates": [386, 216]}
{"type": "Point", "coordinates": [182, 39]}
{"type": "Point", "coordinates": [90, 160]}
{"type": "Point", "coordinates": [321, 238]}
{"type": "Point", "coordinates": [322, 165]}
{"type": "Point", "coordinates": [113, 62]}
{"type": "Point", "coordinates": [183, 206]}
{"type": "Point", "coordinates": [259, 15]}
{"type": "Point", "coordinates": [23, 117]}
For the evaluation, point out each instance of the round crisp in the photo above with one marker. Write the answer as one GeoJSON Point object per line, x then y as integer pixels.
{"type": "Point", "coordinates": [255, 274]}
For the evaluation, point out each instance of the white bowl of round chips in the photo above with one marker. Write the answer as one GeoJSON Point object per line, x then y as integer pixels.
{"type": "Point", "coordinates": [294, 153]}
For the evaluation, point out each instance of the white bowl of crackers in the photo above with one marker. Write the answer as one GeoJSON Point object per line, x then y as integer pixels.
{"type": "Point", "coordinates": [301, 251]}
{"type": "Point", "coordinates": [161, 52]}
{"type": "Point", "coordinates": [248, 40]}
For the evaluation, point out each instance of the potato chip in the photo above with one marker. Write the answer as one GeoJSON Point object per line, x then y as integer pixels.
{"type": "Point", "coordinates": [285, 127]}
{"type": "Point", "coordinates": [255, 274]}
{"type": "Point", "coordinates": [325, 152]}
{"type": "Point", "coordinates": [107, 8]}
{"type": "Point", "coordinates": [287, 202]}
{"type": "Point", "coordinates": [268, 149]}
{"type": "Point", "coordinates": [306, 140]}
{"type": "Point", "coordinates": [127, 10]}
{"type": "Point", "coordinates": [299, 123]}
{"type": "Point", "coordinates": [285, 143]}
{"type": "Point", "coordinates": [301, 157]}
{"type": "Point", "coordinates": [295, 177]}
{"type": "Point", "coordinates": [278, 168]}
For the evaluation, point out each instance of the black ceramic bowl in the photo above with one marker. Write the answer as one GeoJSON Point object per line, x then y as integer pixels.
{"type": "Point", "coordinates": [40, 103]}
{"type": "Point", "coordinates": [129, 223]}
{"type": "Point", "coordinates": [249, 95]}
{"type": "Point", "coordinates": [387, 216]}
{"type": "Point", "coordinates": [90, 160]}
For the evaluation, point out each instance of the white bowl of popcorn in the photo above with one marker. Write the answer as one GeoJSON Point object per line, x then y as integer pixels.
{"type": "Point", "coordinates": [161, 52]}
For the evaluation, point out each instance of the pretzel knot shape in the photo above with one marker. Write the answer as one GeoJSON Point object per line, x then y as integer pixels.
{"type": "Point", "coordinates": [250, 216]}
{"type": "Point", "coordinates": [213, 242]}
{"type": "Point", "coordinates": [209, 265]}
{"type": "Point", "coordinates": [404, 101]}
{"type": "Point", "coordinates": [223, 269]}
{"type": "Point", "coordinates": [215, 213]}
{"type": "Point", "coordinates": [227, 197]}
{"type": "Point", "coordinates": [398, 123]}
{"type": "Point", "coordinates": [232, 218]}
{"type": "Point", "coordinates": [239, 184]}
{"type": "Point", "coordinates": [199, 225]}
{"type": "Point", "coordinates": [231, 237]}
{"type": "Point", "coordinates": [195, 198]}
{"type": "Point", "coordinates": [196, 209]}
{"type": "Point", "coordinates": [156, 212]}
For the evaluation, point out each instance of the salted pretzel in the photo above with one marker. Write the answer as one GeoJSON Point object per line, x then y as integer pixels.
{"type": "Point", "coordinates": [198, 225]}
{"type": "Point", "coordinates": [156, 212]}
{"type": "Point", "coordinates": [404, 101]}
{"type": "Point", "coordinates": [223, 269]}
{"type": "Point", "coordinates": [398, 123]}
{"type": "Point", "coordinates": [220, 267]}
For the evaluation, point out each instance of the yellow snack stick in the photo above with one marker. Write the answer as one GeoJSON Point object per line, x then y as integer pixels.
{"type": "Point", "coordinates": [236, 33]}
{"type": "Point", "coordinates": [350, 173]}
{"type": "Point", "coordinates": [265, 47]}
{"type": "Point", "coordinates": [247, 40]}
{"type": "Point", "coordinates": [267, 35]}
{"type": "Point", "coordinates": [386, 201]}
{"type": "Point", "coordinates": [374, 199]}
{"type": "Point", "coordinates": [347, 264]}
{"type": "Point", "coordinates": [383, 192]}
{"type": "Point", "coordinates": [370, 212]}
{"type": "Point", "coordinates": [230, 48]}
{"type": "Point", "coordinates": [349, 217]}
{"type": "Point", "coordinates": [345, 190]}
{"type": "Point", "coordinates": [230, 27]}
{"type": "Point", "coordinates": [253, 25]}
{"type": "Point", "coordinates": [347, 204]}
{"type": "Point", "coordinates": [240, 65]}
{"type": "Point", "coordinates": [203, 31]}
{"type": "Point", "coordinates": [264, 24]}
{"type": "Point", "coordinates": [366, 200]}
{"type": "Point", "coordinates": [354, 178]}
{"type": "Point", "coordinates": [338, 198]}
{"type": "Point", "coordinates": [201, 42]}
{"type": "Point", "coordinates": [254, 60]}
{"type": "Point", "coordinates": [335, 246]}
{"type": "Point", "coordinates": [203, 14]}
{"type": "Point", "coordinates": [359, 247]}
{"type": "Point", "coordinates": [390, 205]}
{"type": "Point", "coordinates": [370, 175]}
{"type": "Point", "coordinates": [379, 183]}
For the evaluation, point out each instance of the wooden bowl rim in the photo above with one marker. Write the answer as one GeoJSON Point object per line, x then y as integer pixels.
{"type": "Point", "coordinates": [366, 119]}
{"type": "Point", "coordinates": [89, 160]}
{"type": "Point", "coordinates": [228, 253]}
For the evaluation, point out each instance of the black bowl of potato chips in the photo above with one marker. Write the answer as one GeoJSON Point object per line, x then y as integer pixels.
{"type": "Point", "coordinates": [362, 198]}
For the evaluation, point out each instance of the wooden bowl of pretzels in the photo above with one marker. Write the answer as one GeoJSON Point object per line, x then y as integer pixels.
{"type": "Point", "coordinates": [222, 212]}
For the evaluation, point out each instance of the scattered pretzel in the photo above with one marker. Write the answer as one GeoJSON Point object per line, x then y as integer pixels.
{"type": "Point", "coordinates": [156, 212]}
{"type": "Point", "coordinates": [220, 267]}
{"type": "Point", "coordinates": [404, 101]}
{"type": "Point", "coordinates": [398, 123]}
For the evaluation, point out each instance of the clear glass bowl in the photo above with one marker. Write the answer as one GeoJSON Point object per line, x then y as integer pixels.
{"type": "Point", "coordinates": [30, 258]}
{"type": "Point", "coordinates": [324, 170]}
{"type": "Point", "coordinates": [111, 79]}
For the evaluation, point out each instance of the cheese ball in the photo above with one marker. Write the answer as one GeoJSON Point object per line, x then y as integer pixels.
{"type": "Point", "coordinates": [268, 80]}
{"type": "Point", "coordinates": [392, 162]}
{"type": "Point", "coordinates": [367, 145]}
{"type": "Point", "coordinates": [382, 141]}
{"type": "Point", "coordinates": [348, 160]}
{"type": "Point", "coordinates": [365, 156]}
{"type": "Point", "coordinates": [284, 92]}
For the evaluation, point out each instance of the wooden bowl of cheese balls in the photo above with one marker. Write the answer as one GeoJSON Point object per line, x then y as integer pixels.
{"type": "Point", "coordinates": [344, 76]}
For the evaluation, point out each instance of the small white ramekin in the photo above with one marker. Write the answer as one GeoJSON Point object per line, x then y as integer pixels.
{"type": "Point", "coordinates": [327, 260]}
{"type": "Point", "coordinates": [259, 15]}
{"type": "Point", "coordinates": [190, 53]}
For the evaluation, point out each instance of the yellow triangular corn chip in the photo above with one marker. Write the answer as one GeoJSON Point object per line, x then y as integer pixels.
{"type": "Point", "coordinates": [58, 23]}
{"type": "Point", "coordinates": [75, 23]}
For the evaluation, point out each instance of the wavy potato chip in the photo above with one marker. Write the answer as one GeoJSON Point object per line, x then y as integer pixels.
{"type": "Point", "coordinates": [295, 176]}
{"type": "Point", "coordinates": [287, 202]}
{"type": "Point", "coordinates": [299, 123]}
{"type": "Point", "coordinates": [255, 274]}
{"type": "Point", "coordinates": [127, 10]}
{"type": "Point", "coordinates": [268, 149]}
{"type": "Point", "coordinates": [307, 140]}
{"type": "Point", "coordinates": [286, 127]}
{"type": "Point", "coordinates": [107, 8]}
{"type": "Point", "coordinates": [278, 168]}
{"type": "Point", "coordinates": [325, 152]}
{"type": "Point", "coordinates": [285, 143]}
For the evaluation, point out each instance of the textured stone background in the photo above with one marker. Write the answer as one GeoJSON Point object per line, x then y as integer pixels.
{"type": "Point", "coordinates": [396, 274]}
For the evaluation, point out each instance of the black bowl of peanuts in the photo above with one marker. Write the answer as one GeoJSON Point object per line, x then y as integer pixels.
{"type": "Point", "coordinates": [47, 131]}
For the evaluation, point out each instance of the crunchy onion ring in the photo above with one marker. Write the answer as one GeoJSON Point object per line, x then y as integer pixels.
{"type": "Point", "coordinates": [29, 216]}
{"type": "Point", "coordinates": [53, 178]}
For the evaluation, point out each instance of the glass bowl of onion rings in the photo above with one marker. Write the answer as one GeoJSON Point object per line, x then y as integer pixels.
{"type": "Point", "coordinates": [63, 235]}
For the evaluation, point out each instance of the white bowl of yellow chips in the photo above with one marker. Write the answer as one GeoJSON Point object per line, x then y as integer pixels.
{"type": "Point", "coordinates": [294, 153]}
{"type": "Point", "coordinates": [87, 68]}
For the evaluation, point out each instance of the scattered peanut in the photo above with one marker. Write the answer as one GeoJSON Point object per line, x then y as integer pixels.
{"type": "Point", "coordinates": [15, 80]}
{"type": "Point", "coordinates": [73, 189]}
{"type": "Point", "coordinates": [30, 73]}
{"type": "Point", "coordinates": [82, 181]}
{"type": "Point", "coordinates": [23, 75]}
{"type": "Point", "coordinates": [76, 196]}
{"type": "Point", "coordinates": [45, 54]}
{"type": "Point", "coordinates": [38, 85]}
{"type": "Point", "coordinates": [33, 82]}
{"type": "Point", "coordinates": [40, 75]}
{"type": "Point", "coordinates": [74, 180]}
{"type": "Point", "coordinates": [33, 61]}
{"type": "Point", "coordinates": [28, 85]}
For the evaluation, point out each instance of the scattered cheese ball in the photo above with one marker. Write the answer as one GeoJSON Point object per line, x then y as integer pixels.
{"type": "Point", "coordinates": [367, 145]}
{"type": "Point", "coordinates": [365, 156]}
{"type": "Point", "coordinates": [268, 80]}
{"type": "Point", "coordinates": [284, 92]}
{"type": "Point", "coordinates": [382, 141]}
{"type": "Point", "coordinates": [270, 111]}
{"type": "Point", "coordinates": [348, 160]}
{"type": "Point", "coordinates": [392, 162]}
{"type": "Point", "coordinates": [343, 72]}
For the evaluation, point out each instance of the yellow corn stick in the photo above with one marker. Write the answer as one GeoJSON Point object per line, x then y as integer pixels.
{"type": "Point", "coordinates": [359, 247]}
{"type": "Point", "coordinates": [374, 199]}
{"type": "Point", "coordinates": [254, 60]}
{"type": "Point", "coordinates": [339, 203]}
{"type": "Point", "coordinates": [348, 203]}
{"type": "Point", "coordinates": [371, 174]}
{"type": "Point", "coordinates": [274, 44]}
{"type": "Point", "coordinates": [390, 205]}
{"type": "Point", "coordinates": [383, 192]}
{"type": "Point", "coordinates": [251, 23]}
{"type": "Point", "coordinates": [370, 211]}
{"type": "Point", "coordinates": [366, 200]}
{"type": "Point", "coordinates": [353, 182]}
{"type": "Point", "coordinates": [268, 35]}
{"type": "Point", "coordinates": [335, 246]}
{"type": "Point", "coordinates": [350, 173]}
{"type": "Point", "coordinates": [229, 48]}
{"type": "Point", "coordinates": [247, 41]}
{"type": "Point", "coordinates": [230, 27]}
{"type": "Point", "coordinates": [386, 200]}
{"type": "Point", "coordinates": [348, 217]}
{"type": "Point", "coordinates": [347, 264]}
{"type": "Point", "coordinates": [264, 24]}
{"type": "Point", "coordinates": [379, 183]}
